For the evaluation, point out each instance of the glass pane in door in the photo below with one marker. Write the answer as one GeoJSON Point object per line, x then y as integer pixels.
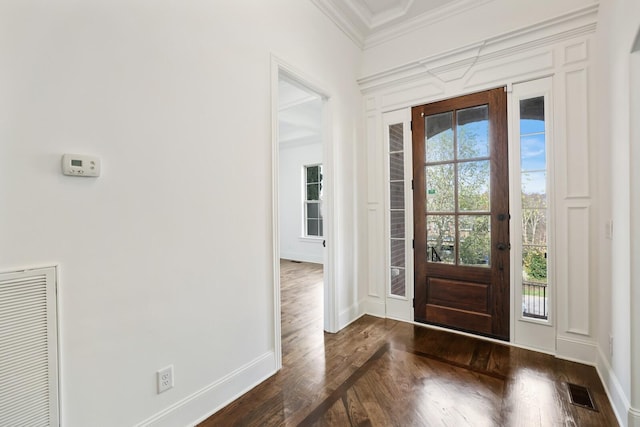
{"type": "Point", "coordinates": [439, 137]}
{"type": "Point", "coordinates": [473, 186]}
{"type": "Point", "coordinates": [473, 132]}
{"type": "Point", "coordinates": [441, 232]}
{"type": "Point", "coordinates": [440, 188]}
{"type": "Point", "coordinates": [475, 240]}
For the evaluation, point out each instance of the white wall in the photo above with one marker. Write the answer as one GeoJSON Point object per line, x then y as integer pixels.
{"type": "Point", "coordinates": [293, 246]}
{"type": "Point", "coordinates": [166, 258]}
{"type": "Point", "coordinates": [618, 27]}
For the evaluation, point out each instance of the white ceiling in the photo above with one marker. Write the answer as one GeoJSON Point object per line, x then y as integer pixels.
{"type": "Point", "coordinates": [369, 22]}
{"type": "Point", "coordinates": [299, 113]}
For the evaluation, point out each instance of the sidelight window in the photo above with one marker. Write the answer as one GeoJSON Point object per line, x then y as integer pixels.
{"type": "Point", "coordinates": [533, 208]}
{"type": "Point", "coordinates": [397, 238]}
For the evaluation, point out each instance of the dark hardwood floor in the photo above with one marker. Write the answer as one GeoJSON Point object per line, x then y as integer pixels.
{"type": "Point", "coordinates": [379, 372]}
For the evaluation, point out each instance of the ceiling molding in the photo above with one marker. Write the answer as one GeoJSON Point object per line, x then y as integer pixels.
{"type": "Point", "coordinates": [421, 21]}
{"type": "Point", "coordinates": [447, 65]}
{"type": "Point", "coordinates": [375, 20]}
{"type": "Point", "coordinates": [338, 17]}
{"type": "Point", "coordinates": [367, 28]}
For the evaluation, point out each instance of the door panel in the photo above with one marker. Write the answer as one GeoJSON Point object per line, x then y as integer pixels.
{"type": "Point", "coordinates": [458, 319]}
{"type": "Point", "coordinates": [459, 295]}
{"type": "Point", "coordinates": [461, 200]}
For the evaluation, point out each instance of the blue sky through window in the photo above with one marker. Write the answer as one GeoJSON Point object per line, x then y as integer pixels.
{"type": "Point", "coordinates": [533, 162]}
{"type": "Point", "coordinates": [531, 126]}
{"type": "Point", "coordinates": [476, 139]}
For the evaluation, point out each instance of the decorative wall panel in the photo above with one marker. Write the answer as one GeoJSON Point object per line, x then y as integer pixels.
{"type": "Point", "coordinates": [577, 259]}
{"type": "Point", "coordinates": [508, 70]}
{"type": "Point", "coordinates": [377, 267]}
{"type": "Point", "coordinates": [577, 133]}
{"type": "Point", "coordinates": [374, 159]}
{"type": "Point", "coordinates": [575, 52]}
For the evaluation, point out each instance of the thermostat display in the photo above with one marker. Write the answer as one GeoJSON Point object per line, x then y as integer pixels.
{"type": "Point", "coordinates": [80, 165]}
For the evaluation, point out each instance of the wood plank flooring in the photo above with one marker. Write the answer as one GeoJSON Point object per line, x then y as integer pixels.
{"type": "Point", "coordinates": [379, 372]}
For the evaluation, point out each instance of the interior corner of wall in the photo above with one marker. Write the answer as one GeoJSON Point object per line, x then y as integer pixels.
{"type": "Point", "coordinates": [350, 315]}
{"type": "Point", "coordinates": [374, 306]}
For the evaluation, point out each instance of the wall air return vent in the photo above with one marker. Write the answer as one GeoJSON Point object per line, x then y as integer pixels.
{"type": "Point", "coordinates": [28, 348]}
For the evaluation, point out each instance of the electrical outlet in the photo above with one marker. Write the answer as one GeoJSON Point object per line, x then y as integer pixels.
{"type": "Point", "coordinates": [608, 229]}
{"type": "Point", "coordinates": [611, 345]}
{"type": "Point", "coordinates": [165, 379]}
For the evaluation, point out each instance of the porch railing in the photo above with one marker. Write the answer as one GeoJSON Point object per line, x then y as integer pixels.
{"type": "Point", "coordinates": [534, 300]}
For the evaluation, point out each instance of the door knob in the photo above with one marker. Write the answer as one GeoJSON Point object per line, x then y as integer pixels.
{"type": "Point", "coordinates": [503, 246]}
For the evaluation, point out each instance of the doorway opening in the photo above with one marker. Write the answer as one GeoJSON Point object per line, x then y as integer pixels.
{"type": "Point", "coordinates": [302, 198]}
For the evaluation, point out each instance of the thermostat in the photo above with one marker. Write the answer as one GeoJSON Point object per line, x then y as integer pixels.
{"type": "Point", "coordinates": [80, 165]}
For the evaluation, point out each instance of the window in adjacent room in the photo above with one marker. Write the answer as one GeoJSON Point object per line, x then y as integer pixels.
{"type": "Point", "coordinates": [313, 201]}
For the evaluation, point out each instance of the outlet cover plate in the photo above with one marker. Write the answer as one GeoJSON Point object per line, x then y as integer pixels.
{"type": "Point", "coordinates": [165, 379]}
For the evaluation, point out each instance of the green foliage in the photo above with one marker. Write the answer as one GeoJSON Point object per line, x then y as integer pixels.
{"type": "Point", "coordinates": [474, 247]}
{"type": "Point", "coordinates": [535, 265]}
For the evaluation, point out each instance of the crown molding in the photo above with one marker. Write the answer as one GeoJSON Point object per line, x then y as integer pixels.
{"type": "Point", "coordinates": [368, 35]}
{"type": "Point", "coordinates": [421, 21]}
{"type": "Point", "coordinates": [376, 20]}
{"type": "Point", "coordinates": [338, 18]}
{"type": "Point", "coordinates": [447, 65]}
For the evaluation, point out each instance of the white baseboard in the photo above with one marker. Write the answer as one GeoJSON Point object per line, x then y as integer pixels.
{"type": "Point", "coordinates": [634, 417]}
{"type": "Point", "coordinates": [202, 404]}
{"type": "Point", "coordinates": [300, 256]}
{"type": "Point", "coordinates": [576, 350]}
{"type": "Point", "coordinates": [612, 387]}
{"type": "Point", "coordinates": [374, 307]}
{"type": "Point", "coordinates": [348, 316]}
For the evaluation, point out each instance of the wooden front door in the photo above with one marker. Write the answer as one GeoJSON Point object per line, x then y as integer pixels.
{"type": "Point", "coordinates": [461, 213]}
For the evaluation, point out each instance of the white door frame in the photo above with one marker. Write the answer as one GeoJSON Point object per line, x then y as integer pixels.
{"type": "Point", "coordinates": [634, 156]}
{"type": "Point", "coordinates": [278, 68]}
